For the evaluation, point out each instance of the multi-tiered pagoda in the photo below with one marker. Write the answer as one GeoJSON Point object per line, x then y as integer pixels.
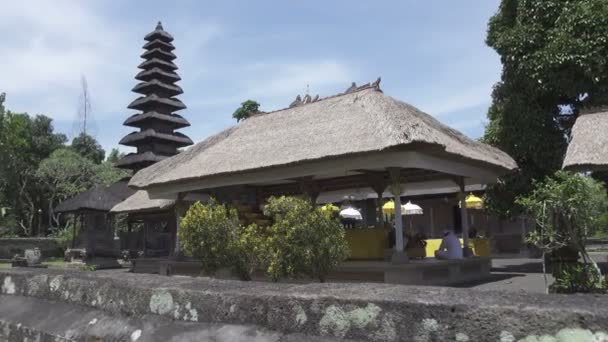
{"type": "Point", "coordinates": [157, 122]}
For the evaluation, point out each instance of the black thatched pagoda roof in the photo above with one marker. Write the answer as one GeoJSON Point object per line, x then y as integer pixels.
{"type": "Point", "coordinates": [157, 122]}
{"type": "Point", "coordinates": [101, 198]}
{"type": "Point", "coordinates": [174, 120]}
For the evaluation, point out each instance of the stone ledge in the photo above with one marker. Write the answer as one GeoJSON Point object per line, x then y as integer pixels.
{"type": "Point", "coordinates": [380, 312]}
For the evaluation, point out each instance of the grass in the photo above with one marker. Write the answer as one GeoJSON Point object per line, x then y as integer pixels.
{"type": "Point", "coordinates": [50, 262]}
{"type": "Point", "coordinates": [54, 262]}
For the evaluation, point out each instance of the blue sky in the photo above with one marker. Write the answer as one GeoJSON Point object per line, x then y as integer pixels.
{"type": "Point", "coordinates": [429, 53]}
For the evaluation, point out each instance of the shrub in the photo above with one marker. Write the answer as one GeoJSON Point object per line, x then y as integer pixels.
{"type": "Point", "coordinates": [212, 234]}
{"type": "Point", "coordinates": [567, 208]}
{"type": "Point", "coordinates": [248, 251]}
{"type": "Point", "coordinates": [302, 240]}
{"type": "Point", "coordinates": [65, 235]}
{"type": "Point", "coordinates": [208, 232]}
{"type": "Point", "coordinates": [579, 278]}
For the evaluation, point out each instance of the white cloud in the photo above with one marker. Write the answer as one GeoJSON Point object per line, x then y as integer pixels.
{"type": "Point", "coordinates": [276, 84]}
{"type": "Point", "coordinates": [53, 43]}
{"type": "Point", "coordinates": [460, 100]}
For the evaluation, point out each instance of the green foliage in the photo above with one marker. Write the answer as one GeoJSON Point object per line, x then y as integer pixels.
{"type": "Point", "coordinates": [106, 173]}
{"type": "Point", "coordinates": [89, 148]}
{"type": "Point", "coordinates": [65, 235]}
{"type": "Point", "coordinates": [207, 232]}
{"type": "Point", "coordinates": [553, 55]}
{"type": "Point", "coordinates": [579, 278]}
{"type": "Point", "coordinates": [114, 156]}
{"type": "Point", "coordinates": [567, 208]}
{"type": "Point", "coordinates": [248, 252]}
{"type": "Point", "coordinates": [302, 240]}
{"type": "Point", "coordinates": [24, 142]}
{"type": "Point", "coordinates": [66, 173]}
{"type": "Point", "coordinates": [245, 110]}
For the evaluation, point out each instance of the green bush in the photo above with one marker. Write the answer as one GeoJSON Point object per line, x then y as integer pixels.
{"type": "Point", "coordinates": [303, 239]}
{"type": "Point", "coordinates": [579, 278]}
{"type": "Point", "coordinates": [248, 251]}
{"type": "Point", "coordinates": [208, 233]}
{"type": "Point", "coordinates": [568, 208]}
{"type": "Point", "coordinates": [65, 235]}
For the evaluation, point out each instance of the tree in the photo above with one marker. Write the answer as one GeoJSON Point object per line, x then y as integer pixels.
{"type": "Point", "coordinates": [568, 208]}
{"type": "Point", "coordinates": [114, 156]}
{"type": "Point", "coordinates": [245, 110]}
{"type": "Point", "coordinates": [24, 142]}
{"type": "Point", "coordinates": [302, 240]}
{"type": "Point", "coordinates": [65, 174]}
{"type": "Point", "coordinates": [106, 173]}
{"type": "Point", "coordinates": [89, 148]}
{"type": "Point", "coordinates": [554, 64]}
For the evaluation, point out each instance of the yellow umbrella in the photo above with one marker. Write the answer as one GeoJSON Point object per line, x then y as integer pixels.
{"type": "Point", "coordinates": [474, 202]}
{"type": "Point", "coordinates": [389, 207]}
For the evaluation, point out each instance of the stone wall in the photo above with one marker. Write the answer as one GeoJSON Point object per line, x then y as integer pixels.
{"type": "Point", "coordinates": [11, 246]}
{"type": "Point", "coordinates": [368, 312]}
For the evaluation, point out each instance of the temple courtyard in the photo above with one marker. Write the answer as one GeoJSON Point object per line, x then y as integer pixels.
{"type": "Point", "coordinates": [508, 273]}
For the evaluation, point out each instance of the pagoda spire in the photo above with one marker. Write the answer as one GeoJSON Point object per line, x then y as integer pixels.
{"type": "Point", "coordinates": [156, 120]}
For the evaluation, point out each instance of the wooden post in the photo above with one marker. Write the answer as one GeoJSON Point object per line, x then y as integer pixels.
{"type": "Point", "coordinates": [180, 210]}
{"type": "Point", "coordinates": [399, 255]}
{"type": "Point", "coordinates": [464, 215]}
{"type": "Point", "coordinates": [377, 182]}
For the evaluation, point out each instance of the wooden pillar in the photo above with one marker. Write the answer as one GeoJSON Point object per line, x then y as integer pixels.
{"type": "Point", "coordinates": [180, 210]}
{"type": "Point", "coordinates": [399, 255]}
{"type": "Point", "coordinates": [378, 183]}
{"type": "Point", "coordinates": [128, 237]}
{"type": "Point", "coordinates": [464, 215]}
{"type": "Point", "coordinates": [432, 225]}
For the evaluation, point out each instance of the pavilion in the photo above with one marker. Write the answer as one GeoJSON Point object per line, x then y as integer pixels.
{"type": "Point", "coordinates": [94, 242]}
{"type": "Point", "coordinates": [358, 138]}
{"type": "Point", "coordinates": [588, 149]}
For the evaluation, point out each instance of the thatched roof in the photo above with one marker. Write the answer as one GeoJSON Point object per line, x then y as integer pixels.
{"type": "Point", "coordinates": [588, 150]}
{"type": "Point", "coordinates": [100, 198]}
{"type": "Point", "coordinates": [175, 138]}
{"type": "Point", "coordinates": [160, 34]}
{"type": "Point", "coordinates": [141, 201]}
{"type": "Point", "coordinates": [358, 121]}
{"type": "Point", "coordinates": [174, 120]}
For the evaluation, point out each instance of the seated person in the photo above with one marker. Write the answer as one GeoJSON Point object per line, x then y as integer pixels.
{"type": "Point", "coordinates": [450, 247]}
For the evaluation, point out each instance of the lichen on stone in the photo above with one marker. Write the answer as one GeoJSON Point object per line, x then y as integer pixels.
{"type": "Point", "coordinates": [8, 286]}
{"type": "Point", "coordinates": [301, 316]}
{"type": "Point", "coordinates": [161, 302]}
{"type": "Point", "coordinates": [506, 336]}
{"type": "Point", "coordinates": [334, 322]}
{"type": "Point", "coordinates": [135, 335]}
{"type": "Point", "coordinates": [361, 317]}
{"type": "Point", "coordinates": [460, 337]}
{"type": "Point", "coordinates": [55, 283]}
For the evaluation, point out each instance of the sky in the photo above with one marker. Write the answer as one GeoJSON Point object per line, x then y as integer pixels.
{"type": "Point", "coordinates": [431, 54]}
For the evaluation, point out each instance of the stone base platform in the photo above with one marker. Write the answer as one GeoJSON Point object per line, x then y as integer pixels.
{"type": "Point", "coordinates": [121, 306]}
{"type": "Point", "coordinates": [417, 272]}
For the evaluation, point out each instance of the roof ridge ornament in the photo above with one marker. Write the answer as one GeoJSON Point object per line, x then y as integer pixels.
{"type": "Point", "coordinates": [296, 102]}
{"type": "Point", "coordinates": [159, 26]}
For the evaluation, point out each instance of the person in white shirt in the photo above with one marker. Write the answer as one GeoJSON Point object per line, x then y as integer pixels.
{"type": "Point", "coordinates": [450, 247]}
